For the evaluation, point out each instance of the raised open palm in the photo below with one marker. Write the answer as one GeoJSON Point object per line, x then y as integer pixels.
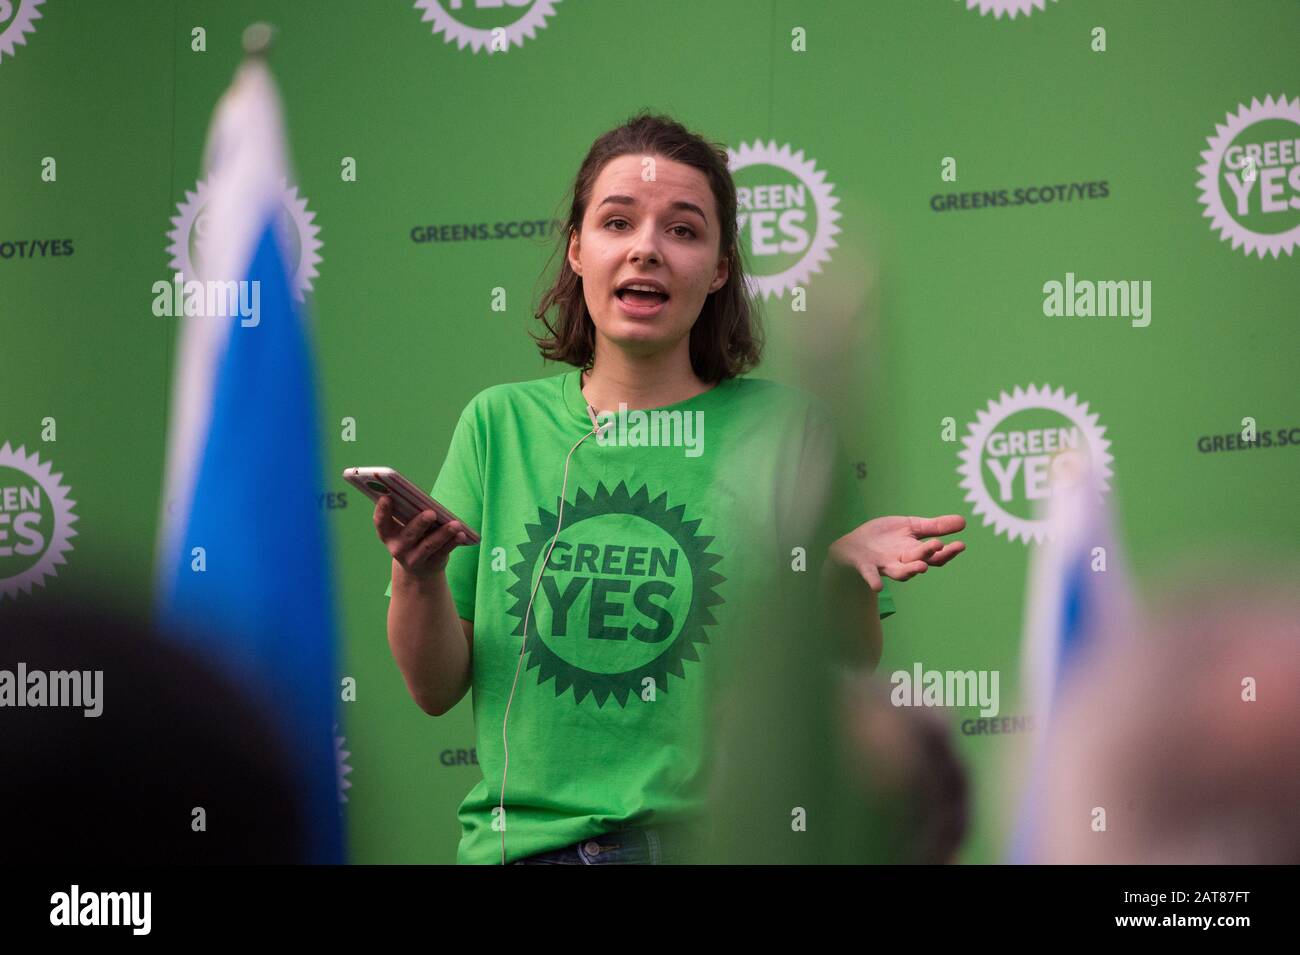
{"type": "Point", "coordinates": [896, 547]}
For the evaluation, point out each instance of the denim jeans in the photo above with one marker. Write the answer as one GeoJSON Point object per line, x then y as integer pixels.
{"type": "Point", "coordinates": [653, 845]}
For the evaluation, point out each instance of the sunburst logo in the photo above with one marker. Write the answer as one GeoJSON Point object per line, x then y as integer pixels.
{"type": "Point", "coordinates": [1250, 177]}
{"type": "Point", "coordinates": [188, 234]}
{"type": "Point", "coordinates": [1017, 445]}
{"type": "Point", "coordinates": [35, 521]}
{"type": "Point", "coordinates": [1012, 8]}
{"type": "Point", "coordinates": [17, 19]}
{"type": "Point", "coordinates": [785, 215]}
{"type": "Point", "coordinates": [341, 760]}
{"type": "Point", "coordinates": [480, 24]}
{"type": "Point", "coordinates": [626, 596]}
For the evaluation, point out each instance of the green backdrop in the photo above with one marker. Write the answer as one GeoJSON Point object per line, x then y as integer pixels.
{"type": "Point", "coordinates": [920, 316]}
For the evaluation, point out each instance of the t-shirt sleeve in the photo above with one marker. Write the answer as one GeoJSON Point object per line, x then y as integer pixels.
{"type": "Point", "coordinates": [845, 507]}
{"type": "Point", "coordinates": [459, 488]}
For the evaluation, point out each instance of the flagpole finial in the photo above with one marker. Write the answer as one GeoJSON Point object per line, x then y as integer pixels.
{"type": "Point", "coordinates": [258, 38]}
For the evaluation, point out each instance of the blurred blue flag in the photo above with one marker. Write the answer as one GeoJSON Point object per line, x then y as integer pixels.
{"type": "Point", "coordinates": [244, 567]}
{"type": "Point", "coordinates": [1079, 595]}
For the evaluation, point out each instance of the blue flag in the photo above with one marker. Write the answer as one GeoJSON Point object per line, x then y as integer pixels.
{"type": "Point", "coordinates": [244, 570]}
{"type": "Point", "coordinates": [1080, 597]}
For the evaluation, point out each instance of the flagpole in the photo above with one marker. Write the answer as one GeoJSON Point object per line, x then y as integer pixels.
{"type": "Point", "coordinates": [258, 39]}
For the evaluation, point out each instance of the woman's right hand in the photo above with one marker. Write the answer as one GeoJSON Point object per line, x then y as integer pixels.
{"type": "Point", "coordinates": [421, 551]}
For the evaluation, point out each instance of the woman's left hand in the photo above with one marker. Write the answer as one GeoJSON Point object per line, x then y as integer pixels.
{"type": "Point", "coordinates": [892, 546]}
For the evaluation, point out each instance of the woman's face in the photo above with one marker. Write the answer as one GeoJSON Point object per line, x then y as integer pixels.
{"type": "Point", "coordinates": [663, 231]}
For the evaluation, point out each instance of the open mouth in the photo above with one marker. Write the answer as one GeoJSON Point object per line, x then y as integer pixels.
{"type": "Point", "coordinates": [641, 298]}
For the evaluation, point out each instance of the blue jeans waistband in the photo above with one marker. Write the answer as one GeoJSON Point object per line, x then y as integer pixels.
{"type": "Point", "coordinates": [668, 844]}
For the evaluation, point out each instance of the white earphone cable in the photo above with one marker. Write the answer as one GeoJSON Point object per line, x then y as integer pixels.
{"type": "Point", "coordinates": [505, 745]}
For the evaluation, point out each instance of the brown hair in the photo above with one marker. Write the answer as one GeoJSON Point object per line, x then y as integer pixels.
{"type": "Point", "coordinates": [726, 339]}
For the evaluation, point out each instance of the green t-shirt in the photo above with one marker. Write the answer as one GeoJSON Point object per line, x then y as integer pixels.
{"type": "Point", "coordinates": [663, 547]}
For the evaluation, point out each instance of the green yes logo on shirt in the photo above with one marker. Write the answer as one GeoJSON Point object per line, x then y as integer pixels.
{"type": "Point", "coordinates": [626, 594]}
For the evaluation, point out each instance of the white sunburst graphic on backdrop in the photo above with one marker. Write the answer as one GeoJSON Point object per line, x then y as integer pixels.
{"type": "Point", "coordinates": [23, 23]}
{"type": "Point", "coordinates": [60, 535]}
{"type": "Point", "coordinates": [1221, 220]}
{"type": "Point", "coordinates": [1095, 446]}
{"type": "Point", "coordinates": [824, 200]}
{"type": "Point", "coordinates": [309, 245]}
{"type": "Point", "coordinates": [341, 756]}
{"type": "Point", "coordinates": [1012, 8]}
{"type": "Point", "coordinates": [525, 28]}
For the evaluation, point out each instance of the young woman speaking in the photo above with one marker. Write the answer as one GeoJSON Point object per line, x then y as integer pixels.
{"type": "Point", "coordinates": [637, 517]}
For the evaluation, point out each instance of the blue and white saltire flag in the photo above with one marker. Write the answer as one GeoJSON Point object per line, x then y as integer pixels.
{"type": "Point", "coordinates": [1079, 598]}
{"type": "Point", "coordinates": [244, 571]}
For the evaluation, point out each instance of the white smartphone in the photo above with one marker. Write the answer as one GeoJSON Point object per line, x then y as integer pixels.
{"type": "Point", "coordinates": [408, 500]}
